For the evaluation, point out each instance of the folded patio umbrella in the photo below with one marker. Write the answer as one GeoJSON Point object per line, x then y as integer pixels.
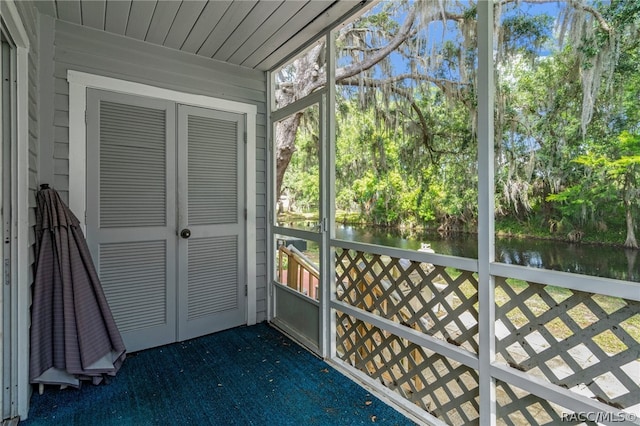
{"type": "Point", "coordinates": [73, 334]}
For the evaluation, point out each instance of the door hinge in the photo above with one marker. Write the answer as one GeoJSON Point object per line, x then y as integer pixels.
{"type": "Point", "coordinates": [245, 137]}
{"type": "Point", "coordinates": [245, 214]}
{"type": "Point", "coordinates": [246, 290]}
{"type": "Point", "coordinates": [7, 272]}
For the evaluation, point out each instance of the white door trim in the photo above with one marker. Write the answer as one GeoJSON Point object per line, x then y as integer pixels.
{"type": "Point", "coordinates": [78, 84]}
{"type": "Point", "coordinates": [20, 276]}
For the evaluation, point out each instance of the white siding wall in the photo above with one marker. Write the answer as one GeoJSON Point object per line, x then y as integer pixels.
{"type": "Point", "coordinates": [96, 52]}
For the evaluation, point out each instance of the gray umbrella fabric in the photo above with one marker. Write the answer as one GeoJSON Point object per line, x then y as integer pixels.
{"type": "Point", "coordinates": [73, 334]}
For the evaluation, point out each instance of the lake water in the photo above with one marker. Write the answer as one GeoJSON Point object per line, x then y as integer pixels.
{"type": "Point", "coordinates": [587, 259]}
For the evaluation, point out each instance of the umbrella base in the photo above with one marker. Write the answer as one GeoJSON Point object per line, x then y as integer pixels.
{"type": "Point", "coordinates": [56, 376]}
{"type": "Point", "coordinates": [107, 365]}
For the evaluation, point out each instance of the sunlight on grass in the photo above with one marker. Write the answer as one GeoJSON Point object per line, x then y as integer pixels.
{"type": "Point", "coordinates": [581, 314]}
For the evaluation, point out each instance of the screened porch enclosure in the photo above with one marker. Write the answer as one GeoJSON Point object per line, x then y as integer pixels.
{"type": "Point", "coordinates": [442, 339]}
{"type": "Point", "coordinates": [451, 339]}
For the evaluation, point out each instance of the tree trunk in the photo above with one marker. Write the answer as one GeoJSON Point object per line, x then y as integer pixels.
{"type": "Point", "coordinates": [308, 69]}
{"type": "Point", "coordinates": [631, 241]}
{"type": "Point", "coordinates": [285, 146]}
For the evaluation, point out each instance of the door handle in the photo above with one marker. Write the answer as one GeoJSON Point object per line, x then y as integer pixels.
{"type": "Point", "coordinates": [185, 233]}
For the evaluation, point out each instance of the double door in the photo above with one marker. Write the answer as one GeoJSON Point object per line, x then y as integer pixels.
{"type": "Point", "coordinates": [165, 216]}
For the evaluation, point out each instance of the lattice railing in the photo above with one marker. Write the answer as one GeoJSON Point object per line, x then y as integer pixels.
{"type": "Point", "coordinates": [437, 301]}
{"type": "Point", "coordinates": [443, 387]}
{"type": "Point", "coordinates": [516, 407]}
{"type": "Point", "coordinates": [584, 342]}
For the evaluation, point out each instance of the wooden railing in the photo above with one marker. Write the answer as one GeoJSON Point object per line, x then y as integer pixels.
{"type": "Point", "coordinates": [298, 272]}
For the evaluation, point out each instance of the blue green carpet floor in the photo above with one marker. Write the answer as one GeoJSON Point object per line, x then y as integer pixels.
{"type": "Point", "coordinates": [244, 376]}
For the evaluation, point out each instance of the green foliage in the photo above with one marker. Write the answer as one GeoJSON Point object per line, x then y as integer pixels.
{"type": "Point", "coordinates": [526, 33]}
{"type": "Point", "coordinates": [609, 187]}
{"type": "Point", "coordinates": [301, 181]}
{"type": "Point", "coordinates": [573, 203]}
{"type": "Point", "coordinates": [388, 175]}
{"type": "Point", "coordinates": [395, 166]}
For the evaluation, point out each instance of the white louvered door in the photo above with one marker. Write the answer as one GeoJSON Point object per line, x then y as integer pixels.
{"type": "Point", "coordinates": [131, 186]}
{"type": "Point", "coordinates": [211, 208]}
{"type": "Point", "coordinates": [155, 168]}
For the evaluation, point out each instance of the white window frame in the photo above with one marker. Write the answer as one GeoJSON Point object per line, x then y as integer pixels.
{"type": "Point", "coordinates": [78, 84]}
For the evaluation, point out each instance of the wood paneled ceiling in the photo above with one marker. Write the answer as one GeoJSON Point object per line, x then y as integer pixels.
{"type": "Point", "coordinates": [253, 34]}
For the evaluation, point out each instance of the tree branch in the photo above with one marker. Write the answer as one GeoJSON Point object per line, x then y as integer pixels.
{"type": "Point", "coordinates": [440, 82]}
{"type": "Point", "coordinates": [574, 3]}
{"type": "Point", "coordinates": [427, 135]}
{"type": "Point", "coordinates": [382, 53]}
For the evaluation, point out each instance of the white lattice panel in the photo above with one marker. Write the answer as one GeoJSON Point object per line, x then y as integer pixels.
{"type": "Point", "coordinates": [517, 407]}
{"type": "Point", "coordinates": [445, 388]}
{"type": "Point", "coordinates": [439, 302]}
{"type": "Point", "coordinates": [581, 341]}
